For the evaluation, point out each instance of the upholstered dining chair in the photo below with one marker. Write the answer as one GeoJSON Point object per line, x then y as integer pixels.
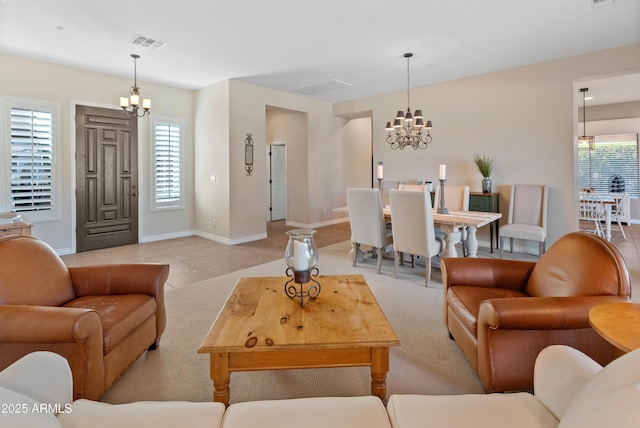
{"type": "Point", "coordinates": [527, 219]}
{"type": "Point", "coordinates": [367, 222]}
{"type": "Point", "coordinates": [413, 231]}
{"type": "Point", "coordinates": [456, 199]}
{"type": "Point", "coordinates": [412, 187]}
{"type": "Point", "coordinates": [384, 190]}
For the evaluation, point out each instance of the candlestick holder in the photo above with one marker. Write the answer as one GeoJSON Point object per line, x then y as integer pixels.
{"type": "Point", "coordinates": [300, 278]}
{"type": "Point", "coordinates": [301, 257]}
{"type": "Point", "coordinates": [442, 209]}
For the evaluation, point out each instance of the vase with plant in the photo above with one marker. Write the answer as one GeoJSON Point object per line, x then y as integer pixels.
{"type": "Point", "coordinates": [485, 165]}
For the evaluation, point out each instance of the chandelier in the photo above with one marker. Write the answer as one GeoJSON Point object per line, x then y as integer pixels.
{"type": "Point", "coordinates": [131, 104]}
{"type": "Point", "coordinates": [587, 139]}
{"type": "Point", "coordinates": [408, 130]}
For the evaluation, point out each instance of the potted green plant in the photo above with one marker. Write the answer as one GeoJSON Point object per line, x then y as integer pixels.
{"type": "Point", "coordinates": [485, 165]}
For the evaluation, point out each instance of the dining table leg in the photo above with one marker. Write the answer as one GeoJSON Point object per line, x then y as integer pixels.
{"type": "Point", "coordinates": [450, 240]}
{"type": "Point", "coordinates": [472, 242]}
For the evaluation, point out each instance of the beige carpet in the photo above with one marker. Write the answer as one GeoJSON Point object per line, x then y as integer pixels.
{"type": "Point", "coordinates": [427, 362]}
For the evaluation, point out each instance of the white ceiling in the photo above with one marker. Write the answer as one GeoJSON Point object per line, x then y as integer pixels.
{"type": "Point", "coordinates": [288, 44]}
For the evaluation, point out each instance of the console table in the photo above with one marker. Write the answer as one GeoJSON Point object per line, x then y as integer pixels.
{"type": "Point", "coordinates": [488, 203]}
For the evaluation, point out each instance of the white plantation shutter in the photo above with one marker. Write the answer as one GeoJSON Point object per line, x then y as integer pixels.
{"type": "Point", "coordinates": [31, 160]}
{"type": "Point", "coordinates": [613, 159]}
{"type": "Point", "coordinates": [167, 179]}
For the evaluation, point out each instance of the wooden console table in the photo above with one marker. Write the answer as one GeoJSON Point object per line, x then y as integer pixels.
{"type": "Point", "coordinates": [488, 203]}
{"type": "Point", "coordinates": [14, 224]}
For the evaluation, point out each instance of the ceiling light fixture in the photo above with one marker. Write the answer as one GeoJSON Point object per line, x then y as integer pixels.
{"type": "Point", "coordinates": [587, 139]}
{"type": "Point", "coordinates": [131, 105]}
{"type": "Point", "coordinates": [408, 130]}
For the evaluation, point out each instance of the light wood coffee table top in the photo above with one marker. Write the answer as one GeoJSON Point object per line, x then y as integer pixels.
{"type": "Point", "coordinates": [618, 323]}
{"type": "Point", "coordinates": [260, 328]}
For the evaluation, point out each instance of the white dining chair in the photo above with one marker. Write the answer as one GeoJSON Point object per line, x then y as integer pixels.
{"type": "Point", "coordinates": [384, 191]}
{"type": "Point", "coordinates": [591, 212]}
{"type": "Point", "coordinates": [412, 187]}
{"type": "Point", "coordinates": [456, 198]}
{"type": "Point", "coordinates": [367, 222]}
{"type": "Point", "coordinates": [621, 213]}
{"type": "Point", "coordinates": [527, 219]}
{"type": "Point", "coordinates": [413, 231]}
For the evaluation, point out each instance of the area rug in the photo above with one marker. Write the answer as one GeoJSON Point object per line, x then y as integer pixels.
{"type": "Point", "coordinates": [426, 362]}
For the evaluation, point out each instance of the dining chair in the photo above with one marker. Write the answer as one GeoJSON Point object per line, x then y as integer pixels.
{"type": "Point", "coordinates": [456, 199]}
{"type": "Point", "coordinates": [384, 191]}
{"type": "Point", "coordinates": [367, 222]}
{"type": "Point", "coordinates": [412, 187]}
{"type": "Point", "coordinates": [591, 211]}
{"type": "Point", "coordinates": [621, 213]}
{"type": "Point", "coordinates": [413, 230]}
{"type": "Point", "coordinates": [527, 219]}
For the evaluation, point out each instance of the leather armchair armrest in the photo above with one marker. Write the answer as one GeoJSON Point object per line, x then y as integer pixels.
{"type": "Point", "coordinates": [139, 278]}
{"type": "Point", "coordinates": [46, 324]}
{"type": "Point", "coordinates": [478, 272]}
{"type": "Point", "coordinates": [539, 313]}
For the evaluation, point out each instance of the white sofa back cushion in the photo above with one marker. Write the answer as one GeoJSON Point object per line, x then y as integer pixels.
{"type": "Point", "coordinates": [142, 414]}
{"type": "Point", "coordinates": [18, 410]}
{"type": "Point", "coordinates": [611, 398]}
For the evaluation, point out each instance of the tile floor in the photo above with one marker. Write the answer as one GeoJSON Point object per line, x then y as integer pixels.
{"type": "Point", "coordinates": [194, 259]}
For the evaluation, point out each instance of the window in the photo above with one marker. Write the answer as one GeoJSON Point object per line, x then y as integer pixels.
{"type": "Point", "coordinates": [30, 166]}
{"type": "Point", "coordinates": [611, 165]}
{"type": "Point", "coordinates": [167, 155]}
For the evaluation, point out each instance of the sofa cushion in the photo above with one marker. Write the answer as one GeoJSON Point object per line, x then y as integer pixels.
{"type": "Point", "coordinates": [465, 302]}
{"type": "Point", "coordinates": [24, 282]}
{"type": "Point", "coordinates": [520, 410]}
{"type": "Point", "coordinates": [120, 314]}
{"type": "Point", "coordinates": [17, 410]}
{"type": "Point", "coordinates": [334, 412]}
{"type": "Point", "coordinates": [160, 414]}
{"type": "Point", "coordinates": [611, 398]}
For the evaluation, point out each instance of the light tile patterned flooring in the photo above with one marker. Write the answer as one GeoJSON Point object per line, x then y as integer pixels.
{"type": "Point", "coordinates": [194, 259]}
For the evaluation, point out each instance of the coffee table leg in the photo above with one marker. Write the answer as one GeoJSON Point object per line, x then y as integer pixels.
{"type": "Point", "coordinates": [379, 369]}
{"type": "Point", "coordinates": [220, 376]}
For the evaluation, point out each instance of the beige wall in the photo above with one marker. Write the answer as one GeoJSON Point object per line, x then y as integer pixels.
{"type": "Point", "coordinates": [23, 78]}
{"type": "Point", "coordinates": [526, 118]}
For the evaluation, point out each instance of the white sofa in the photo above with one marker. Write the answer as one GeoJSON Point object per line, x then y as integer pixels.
{"type": "Point", "coordinates": [571, 390]}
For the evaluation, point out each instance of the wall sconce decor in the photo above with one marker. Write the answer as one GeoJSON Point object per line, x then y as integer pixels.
{"type": "Point", "coordinates": [248, 154]}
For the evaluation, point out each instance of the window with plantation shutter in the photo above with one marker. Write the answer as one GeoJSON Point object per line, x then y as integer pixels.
{"type": "Point", "coordinates": [610, 165]}
{"type": "Point", "coordinates": [31, 160]}
{"type": "Point", "coordinates": [167, 168]}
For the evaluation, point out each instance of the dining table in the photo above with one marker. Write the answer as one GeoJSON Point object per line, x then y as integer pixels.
{"type": "Point", "coordinates": [450, 224]}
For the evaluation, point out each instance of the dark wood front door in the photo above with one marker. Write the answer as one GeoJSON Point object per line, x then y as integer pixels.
{"type": "Point", "coordinates": [106, 178]}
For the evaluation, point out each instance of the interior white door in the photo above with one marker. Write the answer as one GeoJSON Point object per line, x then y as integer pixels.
{"type": "Point", "coordinates": [278, 182]}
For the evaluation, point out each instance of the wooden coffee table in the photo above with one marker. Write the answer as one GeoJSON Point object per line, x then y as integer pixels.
{"type": "Point", "coordinates": [260, 328]}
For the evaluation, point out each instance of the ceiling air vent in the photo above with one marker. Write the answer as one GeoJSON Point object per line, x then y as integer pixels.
{"type": "Point", "coordinates": [598, 3]}
{"type": "Point", "coordinates": [326, 86]}
{"type": "Point", "coordinates": [147, 42]}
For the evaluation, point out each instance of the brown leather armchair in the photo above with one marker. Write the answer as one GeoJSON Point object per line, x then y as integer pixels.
{"type": "Point", "coordinates": [502, 313]}
{"type": "Point", "coordinates": [100, 318]}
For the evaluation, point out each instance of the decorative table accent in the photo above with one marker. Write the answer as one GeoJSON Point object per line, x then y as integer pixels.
{"type": "Point", "coordinates": [442, 177]}
{"type": "Point", "coordinates": [301, 257]}
{"type": "Point", "coordinates": [486, 166]}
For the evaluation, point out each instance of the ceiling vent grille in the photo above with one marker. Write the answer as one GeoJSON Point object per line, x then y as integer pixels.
{"type": "Point", "coordinates": [147, 42]}
{"type": "Point", "coordinates": [326, 86]}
